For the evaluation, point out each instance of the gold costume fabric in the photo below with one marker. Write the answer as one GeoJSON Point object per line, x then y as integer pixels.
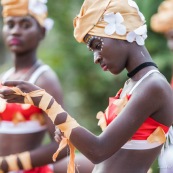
{"type": "Point", "coordinates": [110, 18]}
{"type": "Point", "coordinates": [162, 21]}
{"type": "Point", "coordinates": [35, 8]}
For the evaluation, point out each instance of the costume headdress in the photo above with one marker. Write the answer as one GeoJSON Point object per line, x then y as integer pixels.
{"type": "Point", "coordinates": [35, 8]}
{"type": "Point", "coordinates": [162, 21]}
{"type": "Point", "coordinates": [120, 19]}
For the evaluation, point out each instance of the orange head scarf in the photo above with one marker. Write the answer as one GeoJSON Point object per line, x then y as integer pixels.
{"type": "Point", "coordinates": [120, 19]}
{"type": "Point", "coordinates": [35, 8]}
{"type": "Point", "coordinates": [162, 21]}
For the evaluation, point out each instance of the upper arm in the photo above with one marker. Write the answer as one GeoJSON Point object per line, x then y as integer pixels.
{"type": "Point", "coordinates": [148, 99]}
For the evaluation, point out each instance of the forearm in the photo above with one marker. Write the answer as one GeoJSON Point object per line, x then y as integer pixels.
{"type": "Point", "coordinates": [43, 155]}
{"type": "Point", "coordinates": [30, 159]}
{"type": "Point", "coordinates": [82, 139]}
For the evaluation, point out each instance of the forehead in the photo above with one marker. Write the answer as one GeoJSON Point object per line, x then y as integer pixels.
{"type": "Point", "coordinates": [19, 19]}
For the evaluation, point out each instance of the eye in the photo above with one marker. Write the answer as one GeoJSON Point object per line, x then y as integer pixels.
{"type": "Point", "coordinates": [26, 24]}
{"type": "Point", "coordinates": [10, 24]}
{"type": "Point", "coordinates": [96, 44]}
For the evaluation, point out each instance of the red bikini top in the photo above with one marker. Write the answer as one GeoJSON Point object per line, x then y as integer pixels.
{"type": "Point", "coordinates": [23, 112]}
{"type": "Point", "coordinates": [20, 112]}
{"type": "Point", "coordinates": [116, 105]}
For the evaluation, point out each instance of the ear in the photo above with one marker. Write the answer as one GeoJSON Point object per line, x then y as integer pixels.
{"type": "Point", "coordinates": [42, 32]}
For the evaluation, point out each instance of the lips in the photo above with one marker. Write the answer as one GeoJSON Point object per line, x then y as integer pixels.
{"type": "Point", "coordinates": [14, 41]}
{"type": "Point", "coordinates": [104, 67]}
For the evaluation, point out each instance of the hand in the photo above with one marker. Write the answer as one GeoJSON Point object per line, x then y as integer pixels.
{"type": "Point", "coordinates": [58, 135]}
{"type": "Point", "coordinates": [10, 96]}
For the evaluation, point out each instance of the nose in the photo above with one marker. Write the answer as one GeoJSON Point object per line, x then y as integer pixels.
{"type": "Point", "coordinates": [97, 57]}
{"type": "Point", "coordinates": [15, 30]}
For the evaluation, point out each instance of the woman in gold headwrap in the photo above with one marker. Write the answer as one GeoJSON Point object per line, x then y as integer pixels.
{"type": "Point", "coordinates": [162, 22]}
{"type": "Point", "coordinates": [22, 126]}
{"type": "Point", "coordinates": [137, 119]}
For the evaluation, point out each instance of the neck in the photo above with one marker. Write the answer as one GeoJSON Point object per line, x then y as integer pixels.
{"type": "Point", "coordinates": [26, 60]}
{"type": "Point", "coordinates": [140, 67]}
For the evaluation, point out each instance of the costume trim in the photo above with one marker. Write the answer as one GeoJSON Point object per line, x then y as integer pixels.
{"type": "Point", "coordinates": [9, 127]}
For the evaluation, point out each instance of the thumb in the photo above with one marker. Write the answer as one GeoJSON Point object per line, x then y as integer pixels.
{"type": "Point", "coordinates": [11, 83]}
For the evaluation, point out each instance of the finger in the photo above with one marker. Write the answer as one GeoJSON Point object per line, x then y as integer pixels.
{"type": "Point", "coordinates": [11, 83]}
{"type": "Point", "coordinates": [15, 100]}
{"type": "Point", "coordinates": [6, 91]}
{"type": "Point", "coordinates": [58, 139]}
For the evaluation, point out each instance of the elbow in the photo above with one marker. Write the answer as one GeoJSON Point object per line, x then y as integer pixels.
{"type": "Point", "coordinates": [97, 156]}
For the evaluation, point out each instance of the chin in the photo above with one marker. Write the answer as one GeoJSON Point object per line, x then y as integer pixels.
{"type": "Point", "coordinates": [16, 50]}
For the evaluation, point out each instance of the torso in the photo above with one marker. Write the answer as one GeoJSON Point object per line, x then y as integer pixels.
{"type": "Point", "coordinates": [129, 160]}
{"type": "Point", "coordinates": [22, 127]}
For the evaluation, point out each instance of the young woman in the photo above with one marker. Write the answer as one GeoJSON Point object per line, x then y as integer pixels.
{"type": "Point", "coordinates": [22, 126]}
{"type": "Point", "coordinates": [162, 22]}
{"type": "Point", "coordinates": [138, 118]}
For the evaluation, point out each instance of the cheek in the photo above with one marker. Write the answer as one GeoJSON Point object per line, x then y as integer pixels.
{"type": "Point", "coordinates": [31, 38]}
{"type": "Point", "coordinates": [5, 34]}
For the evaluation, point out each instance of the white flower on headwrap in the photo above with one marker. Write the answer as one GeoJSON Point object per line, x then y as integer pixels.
{"type": "Point", "coordinates": [48, 24]}
{"type": "Point", "coordinates": [134, 5]}
{"type": "Point", "coordinates": [114, 24]}
{"type": "Point", "coordinates": [139, 35]}
{"type": "Point", "coordinates": [38, 6]}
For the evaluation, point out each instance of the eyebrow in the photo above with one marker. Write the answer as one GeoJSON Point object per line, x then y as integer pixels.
{"type": "Point", "coordinates": [25, 19]}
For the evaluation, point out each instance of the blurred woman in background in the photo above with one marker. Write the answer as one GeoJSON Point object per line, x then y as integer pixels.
{"type": "Point", "coordinates": [162, 22]}
{"type": "Point", "coordinates": [23, 126]}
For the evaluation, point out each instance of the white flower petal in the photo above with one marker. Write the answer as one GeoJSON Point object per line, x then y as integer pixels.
{"type": "Point", "coordinates": [37, 7]}
{"type": "Point", "coordinates": [140, 40]}
{"type": "Point", "coordinates": [133, 4]}
{"type": "Point", "coordinates": [141, 30]}
{"type": "Point", "coordinates": [141, 16]}
{"type": "Point", "coordinates": [120, 29]}
{"type": "Point", "coordinates": [48, 24]}
{"type": "Point", "coordinates": [119, 18]}
{"type": "Point", "coordinates": [131, 37]}
{"type": "Point", "coordinates": [110, 29]}
{"type": "Point", "coordinates": [144, 36]}
{"type": "Point", "coordinates": [110, 18]}
{"type": "Point", "coordinates": [43, 1]}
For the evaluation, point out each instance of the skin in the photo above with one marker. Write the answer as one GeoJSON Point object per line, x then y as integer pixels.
{"type": "Point", "coordinates": [22, 35]}
{"type": "Point", "coordinates": [153, 98]}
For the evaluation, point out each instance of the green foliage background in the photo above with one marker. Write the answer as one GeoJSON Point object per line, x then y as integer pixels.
{"type": "Point", "coordinates": [86, 87]}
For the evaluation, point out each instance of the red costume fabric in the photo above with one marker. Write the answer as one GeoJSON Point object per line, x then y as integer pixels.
{"type": "Point", "coordinates": [42, 169]}
{"type": "Point", "coordinates": [116, 104]}
{"type": "Point", "coordinates": [15, 111]}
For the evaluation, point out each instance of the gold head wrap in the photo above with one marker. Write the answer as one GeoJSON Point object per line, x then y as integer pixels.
{"type": "Point", "coordinates": [35, 8]}
{"type": "Point", "coordinates": [120, 19]}
{"type": "Point", "coordinates": [162, 21]}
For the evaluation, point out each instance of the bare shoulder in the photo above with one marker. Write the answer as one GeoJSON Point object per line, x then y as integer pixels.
{"type": "Point", "coordinates": [155, 97]}
{"type": "Point", "coordinates": [157, 85]}
{"type": "Point", "coordinates": [49, 81]}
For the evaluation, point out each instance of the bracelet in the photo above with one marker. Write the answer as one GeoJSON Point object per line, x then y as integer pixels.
{"type": "Point", "coordinates": [12, 163]}
{"type": "Point", "coordinates": [53, 112]}
{"type": "Point", "coordinates": [25, 160]}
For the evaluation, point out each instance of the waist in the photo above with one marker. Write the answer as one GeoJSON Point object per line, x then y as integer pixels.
{"type": "Point", "coordinates": [9, 127]}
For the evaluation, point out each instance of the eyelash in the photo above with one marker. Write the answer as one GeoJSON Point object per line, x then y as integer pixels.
{"type": "Point", "coordinates": [98, 46]}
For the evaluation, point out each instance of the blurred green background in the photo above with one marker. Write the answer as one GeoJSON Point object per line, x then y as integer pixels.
{"type": "Point", "coordinates": [86, 87]}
